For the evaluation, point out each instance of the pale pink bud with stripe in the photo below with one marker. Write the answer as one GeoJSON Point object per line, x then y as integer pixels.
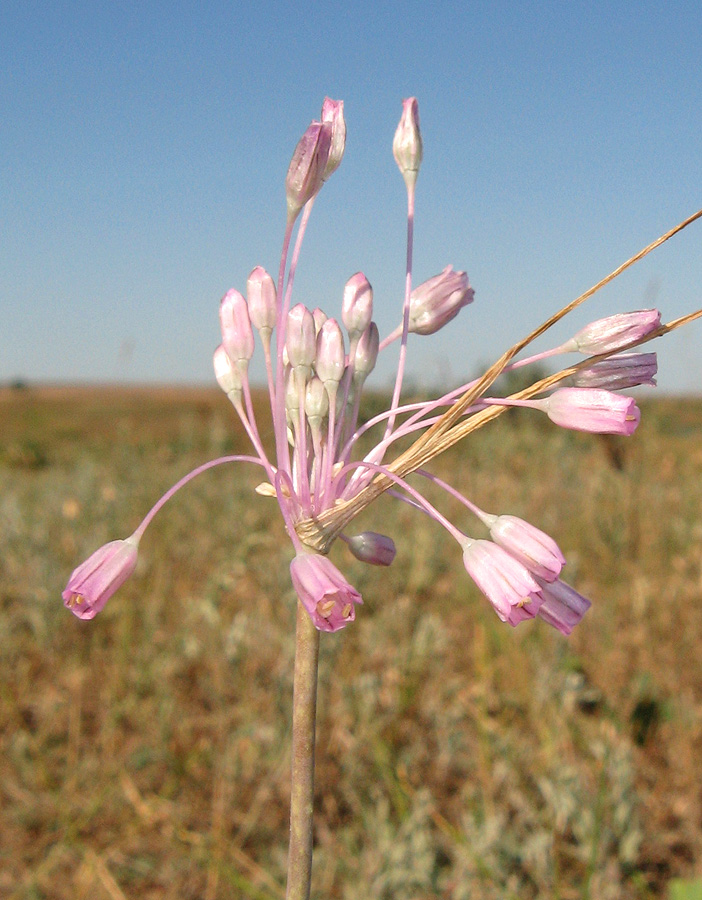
{"type": "Point", "coordinates": [613, 332]}
{"type": "Point", "coordinates": [333, 113]}
{"type": "Point", "coordinates": [261, 294]}
{"type": "Point", "coordinates": [407, 143]}
{"type": "Point", "coordinates": [307, 166]}
{"type": "Point", "coordinates": [357, 304]}
{"type": "Point", "coordinates": [237, 334]}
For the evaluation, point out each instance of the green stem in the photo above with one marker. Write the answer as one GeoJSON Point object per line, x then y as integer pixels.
{"type": "Point", "coordinates": [302, 780]}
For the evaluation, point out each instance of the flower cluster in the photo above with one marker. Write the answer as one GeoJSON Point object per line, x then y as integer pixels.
{"type": "Point", "coordinates": [316, 370]}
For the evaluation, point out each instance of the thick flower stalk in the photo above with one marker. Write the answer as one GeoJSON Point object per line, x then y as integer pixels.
{"type": "Point", "coordinates": [317, 366]}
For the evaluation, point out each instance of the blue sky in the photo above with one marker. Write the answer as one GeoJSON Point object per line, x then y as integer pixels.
{"type": "Point", "coordinates": [144, 146]}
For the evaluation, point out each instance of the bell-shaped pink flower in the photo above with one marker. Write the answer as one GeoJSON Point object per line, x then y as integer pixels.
{"type": "Point", "coordinates": [507, 584]}
{"type": "Point", "coordinates": [93, 583]}
{"type": "Point", "coordinates": [407, 143]}
{"type": "Point", "coordinates": [591, 409]}
{"type": "Point", "coordinates": [373, 548]}
{"type": "Point", "coordinates": [614, 332]}
{"type": "Point", "coordinates": [307, 166]}
{"type": "Point", "coordinates": [323, 591]}
{"type": "Point", "coordinates": [528, 544]}
{"type": "Point", "coordinates": [333, 112]}
{"type": "Point", "coordinates": [438, 300]}
{"type": "Point", "coordinates": [563, 606]}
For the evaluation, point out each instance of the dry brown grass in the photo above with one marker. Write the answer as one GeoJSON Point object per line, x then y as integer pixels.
{"type": "Point", "coordinates": [145, 754]}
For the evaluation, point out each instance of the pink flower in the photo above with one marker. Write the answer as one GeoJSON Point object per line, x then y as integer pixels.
{"type": "Point", "coordinates": [438, 300]}
{"type": "Point", "coordinates": [591, 409]}
{"type": "Point", "coordinates": [563, 606]}
{"type": "Point", "coordinates": [534, 549]}
{"type": "Point", "coordinates": [507, 584]}
{"type": "Point", "coordinates": [93, 583]}
{"type": "Point", "coordinates": [323, 591]}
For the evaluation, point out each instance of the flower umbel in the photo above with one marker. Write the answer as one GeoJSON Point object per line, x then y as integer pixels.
{"type": "Point", "coordinates": [317, 366]}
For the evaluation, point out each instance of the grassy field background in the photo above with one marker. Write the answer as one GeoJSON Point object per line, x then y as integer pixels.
{"type": "Point", "coordinates": [145, 754]}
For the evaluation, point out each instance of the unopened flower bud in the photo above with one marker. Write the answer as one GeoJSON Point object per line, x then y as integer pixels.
{"type": "Point", "coordinates": [227, 374]}
{"type": "Point", "coordinates": [320, 317]}
{"type": "Point", "coordinates": [261, 294]}
{"type": "Point", "coordinates": [366, 354]}
{"type": "Point", "coordinates": [333, 112]}
{"type": "Point", "coordinates": [292, 395]}
{"type": "Point", "coordinates": [237, 334]}
{"type": "Point", "coordinates": [407, 144]}
{"type": "Point", "coordinates": [300, 338]}
{"type": "Point", "coordinates": [373, 548]}
{"type": "Point", "coordinates": [323, 591]}
{"type": "Point", "coordinates": [307, 166]}
{"type": "Point", "coordinates": [614, 332]}
{"type": "Point", "coordinates": [617, 373]}
{"type": "Point", "coordinates": [316, 401]}
{"type": "Point", "coordinates": [438, 300]}
{"type": "Point", "coordinates": [357, 304]}
{"type": "Point", "coordinates": [331, 355]}
{"type": "Point", "coordinates": [93, 583]}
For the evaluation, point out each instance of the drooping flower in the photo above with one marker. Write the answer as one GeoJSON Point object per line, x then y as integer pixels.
{"type": "Point", "coordinates": [93, 583]}
{"type": "Point", "coordinates": [535, 550]}
{"type": "Point", "coordinates": [508, 585]}
{"type": "Point", "coordinates": [563, 607]}
{"type": "Point", "coordinates": [323, 591]}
